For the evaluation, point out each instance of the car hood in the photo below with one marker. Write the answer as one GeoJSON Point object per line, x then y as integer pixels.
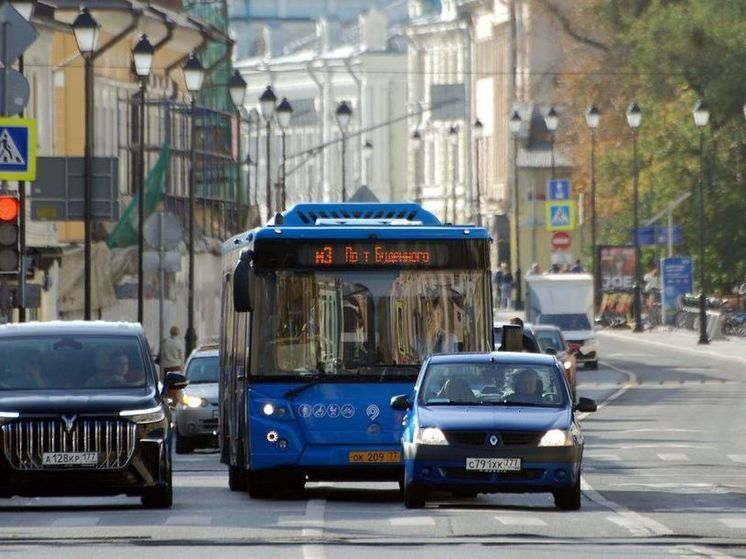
{"type": "Point", "coordinates": [52, 402]}
{"type": "Point", "coordinates": [206, 390]}
{"type": "Point", "coordinates": [513, 418]}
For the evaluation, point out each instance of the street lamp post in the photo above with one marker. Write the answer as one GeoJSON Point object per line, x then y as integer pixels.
{"type": "Point", "coordinates": [515, 129]}
{"type": "Point", "coordinates": [701, 118]}
{"type": "Point", "coordinates": [237, 91]}
{"type": "Point", "coordinates": [367, 153]}
{"type": "Point", "coordinates": [478, 132]}
{"type": "Point", "coordinates": [267, 105]}
{"type": "Point", "coordinates": [142, 55]}
{"type": "Point", "coordinates": [634, 119]}
{"type": "Point", "coordinates": [343, 115]}
{"type": "Point", "coordinates": [453, 142]}
{"type": "Point", "coordinates": [194, 75]}
{"type": "Point", "coordinates": [551, 121]}
{"type": "Point", "coordinates": [593, 119]}
{"type": "Point", "coordinates": [86, 30]}
{"type": "Point", "coordinates": [417, 146]}
{"type": "Point", "coordinates": [284, 114]}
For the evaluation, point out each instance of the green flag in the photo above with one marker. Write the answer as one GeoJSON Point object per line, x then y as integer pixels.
{"type": "Point", "coordinates": [125, 231]}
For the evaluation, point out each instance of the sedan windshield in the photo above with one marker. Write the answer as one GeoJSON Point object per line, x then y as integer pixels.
{"type": "Point", "coordinates": [512, 384]}
{"type": "Point", "coordinates": [202, 370]}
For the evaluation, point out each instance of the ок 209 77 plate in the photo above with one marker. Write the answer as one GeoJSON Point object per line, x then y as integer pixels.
{"type": "Point", "coordinates": [61, 459]}
{"type": "Point", "coordinates": [493, 464]}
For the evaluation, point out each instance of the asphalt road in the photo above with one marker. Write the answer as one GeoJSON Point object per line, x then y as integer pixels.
{"type": "Point", "coordinates": [664, 476]}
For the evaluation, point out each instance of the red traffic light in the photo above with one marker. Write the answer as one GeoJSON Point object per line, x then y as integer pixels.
{"type": "Point", "coordinates": [9, 208]}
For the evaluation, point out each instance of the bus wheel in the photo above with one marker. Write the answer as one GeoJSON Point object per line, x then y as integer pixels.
{"type": "Point", "coordinates": [260, 484]}
{"type": "Point", "coordinates": [236, 478]}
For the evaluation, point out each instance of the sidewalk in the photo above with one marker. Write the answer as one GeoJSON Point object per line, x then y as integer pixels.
{"type": "Point", "coordinates": [733, 348]}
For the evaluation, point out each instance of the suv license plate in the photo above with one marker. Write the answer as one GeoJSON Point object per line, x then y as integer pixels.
{"type": "Point", "coordinates": [69, 459]}
{"type": "Point", "coordinates": [493, 464]}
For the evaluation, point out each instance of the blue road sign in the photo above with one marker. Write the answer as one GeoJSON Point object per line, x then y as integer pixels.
{"type": "Point", "coordinates": [652, 235]}
{"type": "Point", "coordinates": [676, 276]}
{"type": "Point", "coordinates": [558, 189]}
{"type": "Point", "coordinates": [560, 216]}
{"type": "Point", "coordinates": [17, 149]}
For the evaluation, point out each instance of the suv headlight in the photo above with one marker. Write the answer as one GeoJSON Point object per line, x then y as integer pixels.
{"type": "Point", "coordinates": [556, 437]}
{"type": "Point", "coordinates": [430, 435]}
{"type": "Point", "coordinates": [149, 415]}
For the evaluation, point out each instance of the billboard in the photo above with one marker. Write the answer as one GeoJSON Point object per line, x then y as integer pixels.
{"type": "Point", "coordinates": [677, 281]}
{"type": "Point", "coordinates": [616, 266]}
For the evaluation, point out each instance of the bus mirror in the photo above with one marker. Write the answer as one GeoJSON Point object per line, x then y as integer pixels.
{"type": "Point", "coordinates": [242, 283]}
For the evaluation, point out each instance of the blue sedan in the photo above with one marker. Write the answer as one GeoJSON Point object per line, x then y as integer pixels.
{"type": "Point", "coordinates": [492, 422]}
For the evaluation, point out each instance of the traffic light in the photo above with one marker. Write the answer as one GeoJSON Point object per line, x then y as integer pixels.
{"type": "Point", "coordinates": [10, 253]}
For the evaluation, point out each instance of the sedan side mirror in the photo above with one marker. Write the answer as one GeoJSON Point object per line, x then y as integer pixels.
{"type": "Point", "coordinates": [175, 381]}
{"type": "Point", "coordinates": [401, 402]}
{"type": "Point", "coordinates": [585, 405]}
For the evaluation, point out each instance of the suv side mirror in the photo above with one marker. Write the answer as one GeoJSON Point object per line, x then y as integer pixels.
{"type": "Point", "coordinates": [401, 402]}
{"type": "Point", "coordinates": [175, 381]}
{"type": "Point", "coordinates": [585, 405]}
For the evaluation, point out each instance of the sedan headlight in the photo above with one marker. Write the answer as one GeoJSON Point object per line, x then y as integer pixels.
{"type": "Point", "coordinates": [149, 415]}
{"type": "Point", "coordinates": [193, 401]}
{"type": "Point", "coordinates": [556, 437]}
{"type": "Point", "coordinates": [430, 435]}
{"type": "Point", "coordinates": [567, 365]}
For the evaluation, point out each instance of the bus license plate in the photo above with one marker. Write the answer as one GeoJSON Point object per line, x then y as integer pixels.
{"type": "Point", "coordinates": [494, 464]}
{"type": "Point", "coordinates": [69, 459]}
{"type": "Point", "coordinates": [374, 456]}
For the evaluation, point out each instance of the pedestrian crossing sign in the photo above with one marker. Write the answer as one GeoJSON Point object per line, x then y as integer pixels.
{"type": "Point", "coordinates": [17, 149]}
{"type": "Point", "coordinates": [560, 215]}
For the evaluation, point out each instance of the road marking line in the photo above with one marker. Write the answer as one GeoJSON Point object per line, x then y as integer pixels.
{"type": "Point", "coordinates": [602, 456]}
{"type": "Point", "coordinates": [700, 551]}
{"type": "Point", "coordinates": [740, 458]}
{"type": "Point", "coordinates": [412, 521]}
{"type": "Point", "coordinates": [77, 521]}
{"type": "Point", "coordinates": [738, 523]}
{"type": "Point", "coordinates": [315, 510]}
{"type": "Point", "coordinates": [520, 521]}
{"type": "Point", "coordinates": [674, 457]}
{"type": "Point", "coordinates": [186, 520]}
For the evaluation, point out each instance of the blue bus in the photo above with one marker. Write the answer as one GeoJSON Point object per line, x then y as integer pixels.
{"type": "Point", "coordinates": [327, 312]}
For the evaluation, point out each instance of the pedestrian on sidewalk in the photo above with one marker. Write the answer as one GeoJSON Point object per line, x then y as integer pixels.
{"type": "Point", "coordinates": [171, 355]}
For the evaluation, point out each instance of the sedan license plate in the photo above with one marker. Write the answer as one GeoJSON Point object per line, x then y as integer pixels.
{"type": "Point", "coordinates": [493, 464]}
{"type": "Point", "coordinates": [374, 456]}
{"type": "Point", "coordinates": [52, 459]}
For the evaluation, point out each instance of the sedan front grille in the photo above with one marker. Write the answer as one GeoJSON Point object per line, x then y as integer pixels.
{"type": "Point", "coordinates": [26, 441]}
{"type": "Point", "coordinates": [481, 438]}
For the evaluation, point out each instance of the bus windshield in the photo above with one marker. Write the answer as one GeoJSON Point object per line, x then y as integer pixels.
{"type": "Point", "coordinates": [365, 323]}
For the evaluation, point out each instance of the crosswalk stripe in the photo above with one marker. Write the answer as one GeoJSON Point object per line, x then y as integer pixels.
{"type": "Point", "coordinates": [738, 522]}
{"type": "Point", "coordinates": [187, 520]}
{"type": "Point", "coordinates": [674, 457]}
{"type": "Point", "coordinates": [520, 521]}
{"type": "Point", "coordinates": [412, 521]}
{"type": "Point", "coordinates": [740, 458]}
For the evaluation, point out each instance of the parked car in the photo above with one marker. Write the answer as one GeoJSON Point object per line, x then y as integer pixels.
{"type": "Point", "coordinates": [551, 340]}
{"type": "Point", "coordinates": [196, 412]}
{"type": "Point", "coordinates": [492, 422]}
{"type": "Point", "coordinates": [81, 412]}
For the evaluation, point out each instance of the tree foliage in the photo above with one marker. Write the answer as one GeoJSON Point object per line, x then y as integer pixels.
{"type": "Point", "coordinates": [664, 54]}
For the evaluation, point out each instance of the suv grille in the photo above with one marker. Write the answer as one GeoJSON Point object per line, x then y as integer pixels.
{"type": "Point", "coordinates": [25, 441]}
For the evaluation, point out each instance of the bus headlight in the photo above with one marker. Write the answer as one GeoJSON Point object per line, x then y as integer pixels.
{"type": "Point", "coordinates": [268, 409]}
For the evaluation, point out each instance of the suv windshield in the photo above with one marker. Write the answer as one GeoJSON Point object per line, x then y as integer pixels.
{"type": "Point", "coordinates": [71, 362]}
{"type": "Point", "coordinates": [202, 369]}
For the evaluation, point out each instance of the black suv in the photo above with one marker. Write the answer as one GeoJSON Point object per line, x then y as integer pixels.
{"type": "Point", "coordinates": [81, 412]}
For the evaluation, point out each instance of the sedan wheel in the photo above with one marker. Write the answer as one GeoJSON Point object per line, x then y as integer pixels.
{"type": "Point", "coordinates": [568, 499]}
{"type": "Point", "coordinates": [414, 496]}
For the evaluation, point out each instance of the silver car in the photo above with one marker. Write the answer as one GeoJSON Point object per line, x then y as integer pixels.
{"type": "Point", "coordinates": [196, 414]}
